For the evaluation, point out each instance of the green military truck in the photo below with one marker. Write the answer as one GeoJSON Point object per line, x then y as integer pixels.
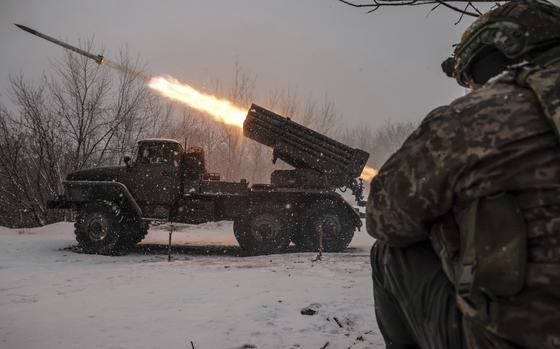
{"type": "Point", "coordinates": [114, 205]}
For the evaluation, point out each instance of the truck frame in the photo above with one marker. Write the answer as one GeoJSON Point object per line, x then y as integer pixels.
{"type": "Point", "coordinates": [165, 182]}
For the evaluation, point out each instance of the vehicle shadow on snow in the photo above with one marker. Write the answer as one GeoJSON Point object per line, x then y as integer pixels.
{"type": "Point", "coordinates": [192, 250]}
{"type": "Point", "coordinates": [188, 250]}
{"type": "Point", "coordinates": [162, 249]}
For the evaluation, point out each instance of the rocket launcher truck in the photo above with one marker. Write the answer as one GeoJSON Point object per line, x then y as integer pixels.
{"type": "Point", "coordinates": [114, 205]}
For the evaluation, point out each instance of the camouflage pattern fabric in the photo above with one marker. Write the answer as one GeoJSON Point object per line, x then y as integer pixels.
{"type": "Point", "coordinates": [403, 275]}
{"type": "Point", "coordinates": [494, 140]}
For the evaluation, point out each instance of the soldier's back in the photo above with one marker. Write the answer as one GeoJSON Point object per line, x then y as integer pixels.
{"type": "Point", "coordinates": [511, 147]}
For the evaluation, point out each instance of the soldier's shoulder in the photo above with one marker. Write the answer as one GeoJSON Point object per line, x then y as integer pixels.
{"type": "Point", "coordinates": [501, 97]}
{"type": "Point", "coordinates": [495, 92]}
{"type": "Point", "coordinates": [439, 114]}
{"type": "Point", "coordinates": [497, 89]}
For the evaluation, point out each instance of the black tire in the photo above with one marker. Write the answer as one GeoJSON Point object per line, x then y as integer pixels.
{"type": "Point", "coordinates": [97, 227]}
{"type": "Point", "coordinates": [134, 229]}
{"type": "Point", "coordinates": [264, 231]}
{"type": "Point", "coordinates": [333, 220]}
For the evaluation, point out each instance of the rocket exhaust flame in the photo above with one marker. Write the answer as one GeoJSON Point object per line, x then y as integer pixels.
{"type": "Point", "coordinates": [220, 109]}
{"type": "Point", "coordinates": [368, 173]}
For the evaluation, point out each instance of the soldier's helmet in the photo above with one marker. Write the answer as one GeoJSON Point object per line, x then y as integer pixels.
{"type": "Point", "coordinates": [514, 29]}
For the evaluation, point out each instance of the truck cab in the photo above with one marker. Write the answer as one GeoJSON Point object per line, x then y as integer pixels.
{"type": "Point", "coordinates": [164, 182]}
{"type": "Point", "coordinates": [155, 177]}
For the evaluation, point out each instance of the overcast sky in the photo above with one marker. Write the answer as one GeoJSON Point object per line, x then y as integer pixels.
{"type": "Point", "coordinates": [379, 66]}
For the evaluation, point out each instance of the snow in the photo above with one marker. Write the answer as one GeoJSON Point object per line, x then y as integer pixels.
{"type": "Point", "coordinates": [52, 297]}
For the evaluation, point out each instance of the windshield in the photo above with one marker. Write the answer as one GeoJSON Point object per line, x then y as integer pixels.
{"type": "Point", "coordinates": [157, 153]}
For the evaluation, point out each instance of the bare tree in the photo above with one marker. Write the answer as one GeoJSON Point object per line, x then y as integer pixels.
{"type": "Point", "coordinates": [30, 166]}
{"type": "Point", "coordinates": [102, 117]}
{"type": "Point", "coordinates": [78, 116]}
{"type": "Point", "coordinates": [242, 94]}
{"type": "Point", "coordinates": [464, 7]}
{"type": "Point", "coordinates": [380, 142]}
{"type": "Point", "coordinates": [327, 119]}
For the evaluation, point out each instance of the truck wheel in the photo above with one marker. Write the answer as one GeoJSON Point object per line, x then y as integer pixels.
{"type": "Point", "coordinates": [333, 221]}
{"type": "Point", "coordinates": [97, 227]}
{"type": "Point", "coordinates": [265, 231]}
{"type": "Point", "coordinates": [133, 231]}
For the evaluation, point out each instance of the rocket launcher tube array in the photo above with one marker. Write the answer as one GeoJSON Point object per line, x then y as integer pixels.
{"type": "Point", "coordinates": [302, 147]}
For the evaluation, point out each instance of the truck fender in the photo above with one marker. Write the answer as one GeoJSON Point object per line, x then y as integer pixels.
{"type": "Point", "coordinates": [84, 191]}
{"type": "Point", "coordinates": [355, 216]}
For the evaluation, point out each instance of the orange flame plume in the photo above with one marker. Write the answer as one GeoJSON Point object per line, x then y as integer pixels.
{"type": "Point", "coordinates": [220, 109]}
{"type": "Point", "coordinates": [368, 173]}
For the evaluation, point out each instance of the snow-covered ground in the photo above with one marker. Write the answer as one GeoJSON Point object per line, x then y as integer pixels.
{"type": "Point", "coordinates": [52, 297]}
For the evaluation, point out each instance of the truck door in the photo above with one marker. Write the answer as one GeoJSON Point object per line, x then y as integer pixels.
{"type": "Point", "coordinates": [156, 180]}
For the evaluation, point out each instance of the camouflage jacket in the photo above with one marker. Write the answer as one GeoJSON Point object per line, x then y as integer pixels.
{"type": "Point", "coordinates": [495, 139]}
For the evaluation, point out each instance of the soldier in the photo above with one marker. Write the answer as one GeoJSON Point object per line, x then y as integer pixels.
{"type": "Point", "coordinates": [467, 212]}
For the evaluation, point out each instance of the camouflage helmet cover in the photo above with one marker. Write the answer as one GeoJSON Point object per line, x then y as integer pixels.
{"type": "Point", "coordinates": [515, 28]}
